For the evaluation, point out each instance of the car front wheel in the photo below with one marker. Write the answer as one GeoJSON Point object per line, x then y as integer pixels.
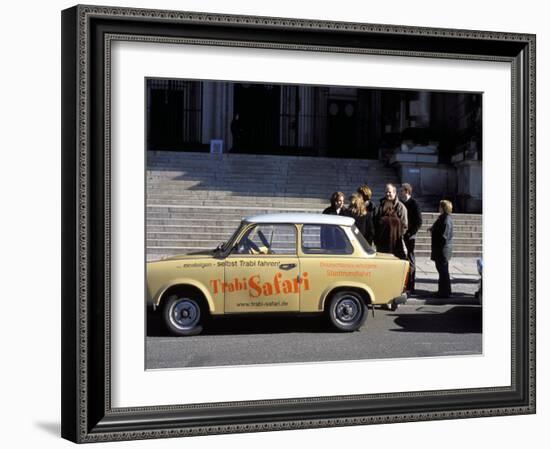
{"type": "Point", "coordinates": [347, 311]}
{"type": "Point", "coordinates": [183, 315]}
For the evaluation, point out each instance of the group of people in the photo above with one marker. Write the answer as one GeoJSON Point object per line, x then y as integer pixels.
{"type": "Point", "coordinates": [393, 224]}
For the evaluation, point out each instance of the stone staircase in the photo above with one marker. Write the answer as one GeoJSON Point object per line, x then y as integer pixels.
{"type": "Point", "coordinates": [196, 200]}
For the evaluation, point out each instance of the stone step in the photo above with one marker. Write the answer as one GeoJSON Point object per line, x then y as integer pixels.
{"type": "Point", "coordinates": [224, 190]}
{"type": "Point", "coordinates": [261, 160]}
{"type": "Point", "coordinates": [319, 177]}
{"type": "Point", "coordinates": [184, 196]}
{"type": "Point", "coordinates": [206, 211]}
{"type": "Point", "coordinates": [208, 241]}
{"type": "Point", "coordinates": [159, 157]}
{"type": "Point", "coordinates": [243, 207]}
{"type": "Point", "coordinates": [259, 206]}
{"type": "Point", "coordinates": [477, 235]}
{"type": "Point", "coordinates": [216, 168]}
{"type": "Point", "coordinates": [155, 253]}
{"type": "Point", "coordinates": [434, 215]}
{"type": "Point", "coordinates": [233, 222]}
{"type": "Point", "coordinates": [223, 229]}
{"type": "Point", "coordinates": [249, 170]}
{"type": "Point", "coordinates": [196, 200]}
{"type": "Point", "coordinates": [220, 219]}
{"type": "Point", "coordinates": [191, 198]}
{"type": "Point", "coordinates": [265, 185]}
{"type": "Point", "coordinates": [189, 156]}
{"type": "Point", "coordinates": [196, 174]}
{"type": "Point", "coordinates": [257, 197]}
{"type": "Point", "coordinates": [228, 226]}
{"type": "Point", "coordinates": [229, 211]}
{"type": "Point", "coordinates": [183, 247]}
{"type": "Point", "coordinates": [218, 233]}
{"type": "Point", "coordinates": [229, 223]}
{"type": "Point", "coordinates": [206, 167]}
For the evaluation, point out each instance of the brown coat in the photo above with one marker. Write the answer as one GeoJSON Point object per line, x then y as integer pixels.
{"type": "Point", "coordinates": [391, 225]}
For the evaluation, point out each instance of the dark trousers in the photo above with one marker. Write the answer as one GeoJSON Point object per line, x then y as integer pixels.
{"type": "Point", "coordinates": [409, 243]}
{"type": "Point", "coordinates": [444, 283]}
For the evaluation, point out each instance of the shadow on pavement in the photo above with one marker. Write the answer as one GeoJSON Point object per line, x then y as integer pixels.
{"type": "Point", "coordinates": [457, 320]}
{"type": "Point", "coordinates": [458, 298]}
{"type": "Point", "coordinates": [229, 325]}
{"type": "Point", "coordinates": [454, 280]}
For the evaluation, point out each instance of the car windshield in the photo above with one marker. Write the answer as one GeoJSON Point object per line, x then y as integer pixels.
{"type": "Point", "coordinates": [369, 249]}
{"type": "Point", "coordinates": [231, 241]}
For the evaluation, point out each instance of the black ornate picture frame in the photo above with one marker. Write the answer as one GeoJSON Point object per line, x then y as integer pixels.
{"type": "Point", "coordinates": [87, 34]}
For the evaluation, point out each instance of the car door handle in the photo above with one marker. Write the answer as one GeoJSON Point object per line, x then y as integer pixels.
{"type": "Point", "coordinates": [287, 266]}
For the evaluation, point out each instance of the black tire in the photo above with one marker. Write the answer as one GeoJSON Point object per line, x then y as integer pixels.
{"type": "Point", "coordinates": [183, 315]}
{"type": "Point", "coordinates": [347, 311]}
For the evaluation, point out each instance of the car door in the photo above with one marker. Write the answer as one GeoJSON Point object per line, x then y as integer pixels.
{"type": "Point", "coordinates": [262, 271]}
{"type": "Point", "coordinates": [326, 259]}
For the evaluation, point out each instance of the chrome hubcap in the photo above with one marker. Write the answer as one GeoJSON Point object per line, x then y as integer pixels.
{"type": "Point", "coordinates": [185, 313]}
{"type": "Point", "coordinates": [347, 310]}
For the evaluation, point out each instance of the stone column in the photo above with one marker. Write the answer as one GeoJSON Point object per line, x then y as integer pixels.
{"type": "Point", "coordinates": [422, 109]}
{"type": "Point", "coordinates": [469, 186]}
{"type": "Point", "coordinates": [217, 112]}
{"type": "Point", "coordinates": [305, 117]}
{"type": "Point", "coordinates": [320, 122]}
{"type": "Point", "coordinates": [286, 136]}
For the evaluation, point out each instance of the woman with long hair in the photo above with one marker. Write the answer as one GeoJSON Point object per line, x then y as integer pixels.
{"type": "Point", "coordinates": [358, 211]}
{"type": "Point", "coordinates": [371, 209]}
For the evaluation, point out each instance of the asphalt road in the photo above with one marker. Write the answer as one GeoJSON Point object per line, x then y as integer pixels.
{"type": "Point", "coordinates": [419, 329]}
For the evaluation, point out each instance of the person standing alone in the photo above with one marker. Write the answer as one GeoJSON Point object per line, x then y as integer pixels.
{"type": "Point", "coordinates": [414, 220]}
{"type": "Point", "coordinates": [442, 247]}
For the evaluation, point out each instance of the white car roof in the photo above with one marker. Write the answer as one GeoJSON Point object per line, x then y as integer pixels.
{"type": "Point", "coordinates": [301, 218]}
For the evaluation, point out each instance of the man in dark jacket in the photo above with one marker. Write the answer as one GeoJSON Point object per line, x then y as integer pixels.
{"type": "Point", "coordinates": [414, 219]}
{"type": "Point", "coordinates": [329, 237]}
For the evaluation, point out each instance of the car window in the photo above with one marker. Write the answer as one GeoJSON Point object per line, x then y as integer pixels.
{"type": "Point", "coordinates": [266, 239]}
{"type": "Point", "coordinates": [325, 239]}
{"type": "Point", "coordinates": [363, 242]}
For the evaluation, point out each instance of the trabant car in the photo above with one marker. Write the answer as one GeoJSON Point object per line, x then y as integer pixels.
{"type": "Point", "coordinates": [278, 263]}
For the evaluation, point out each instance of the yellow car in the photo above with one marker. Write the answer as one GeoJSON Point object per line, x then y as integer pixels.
{"type": "Point", "coordinates": [278, 263]}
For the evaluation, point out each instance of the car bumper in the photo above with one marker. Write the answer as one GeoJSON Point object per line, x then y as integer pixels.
{"type": "Point", "coordinates": [402, 299]}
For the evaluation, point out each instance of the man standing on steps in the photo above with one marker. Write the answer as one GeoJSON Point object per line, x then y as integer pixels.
{"type": "Point", "coordinates": [391, 224]}
{"type": "Point", "coordinates": [414, 218]}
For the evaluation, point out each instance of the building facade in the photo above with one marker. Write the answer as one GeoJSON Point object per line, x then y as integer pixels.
{"type": "Point", "coordinates": [432, 139]}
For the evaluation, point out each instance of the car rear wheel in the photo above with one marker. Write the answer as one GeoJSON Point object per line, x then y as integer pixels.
{"type": "Point", "coordinates": [347, 311]}
{"type": "Point", "coordinates": [183, 315]}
